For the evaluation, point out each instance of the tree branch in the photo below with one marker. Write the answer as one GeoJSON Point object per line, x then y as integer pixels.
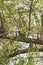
{"type": "Point", "coordinates": [22, 52]}
{"type": "Point", "coordinates": [24, 39]}
{"type": "Point", "coordinates": [19, 52]}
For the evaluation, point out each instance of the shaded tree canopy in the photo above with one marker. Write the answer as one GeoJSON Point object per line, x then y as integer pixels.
{"type": "Point", "coordinates": [21, 30]}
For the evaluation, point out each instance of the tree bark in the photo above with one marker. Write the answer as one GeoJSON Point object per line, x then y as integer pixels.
{"type": "Point", "coordinates": [22, 52]}
{"type": "Point", "coordinates": [23, 39]}
{"type": "Point", "coordinates": [42, 26]}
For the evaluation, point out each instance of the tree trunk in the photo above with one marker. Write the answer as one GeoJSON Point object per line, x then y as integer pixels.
{"type": "Point", "coordinates": [42, 26]}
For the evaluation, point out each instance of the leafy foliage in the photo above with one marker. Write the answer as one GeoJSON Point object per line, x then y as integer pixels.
{"type": "Point", "coordinates": [16, 15]}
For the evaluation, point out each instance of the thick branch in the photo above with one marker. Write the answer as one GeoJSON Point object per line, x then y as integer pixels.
{"type": "Point", "coordinates": [19, 52]}
{"type": "Point", "coordinates": [23, 51]}
{"type": "Point", "coordinates": [29, 40]}
{"type": "Point", "coordinates": [24, 39]}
